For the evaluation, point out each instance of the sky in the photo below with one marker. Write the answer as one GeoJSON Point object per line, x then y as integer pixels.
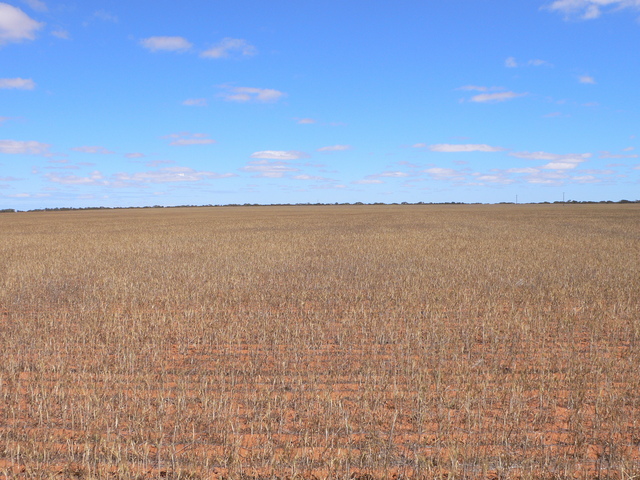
{"type": "Point", "coordinates": [137, 103]}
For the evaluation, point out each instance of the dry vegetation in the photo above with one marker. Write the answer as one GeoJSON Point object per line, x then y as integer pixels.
{"type": "Point", "coordinates": [366, 342]}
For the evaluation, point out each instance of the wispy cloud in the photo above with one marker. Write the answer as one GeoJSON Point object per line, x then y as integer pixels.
{"type": "Point", "coordinates": [95, 178]}
{"type": "Point", "coordinates": [317, 178]}
{"type": "Point", "coordinates": [29, 195]}
{"type": "Point", "coordinates": [18, 147]}
{"type": "Point", "coordinates": [135, 155]}
{"type": "Point", "coordinates": [185, 138]}
{"type": "Point", "coordinates": [395, 174]}
{"type": "Point", "coordinates": [265, 168]}
{"type": "Point", "coordinates": [479, 88]}
{"type": "Point", "coordinates": [556, 161]}
{"type": "Point", "coordinates": [499, 94]}
{"type": "Point", "coordinates": [492, 178]}
{"type": "Point", "coordinates": [496, 97]}
{"type": "Point", "coordinates": [280, 155]}
{"type": "Point", "coordinates": [195, 102]}
{"type": "Point", "coordinates": [166, 44]}
{"type": "Point", "coordinates": [449, 174]}
{"type": "Point", "coordinates": [93, 150]}
{"type": "Point", "coordinates": [590, 9]}
{"type": "Point", "coordinates": [124, 179]}
{"type": "Point", "coordinates": [61, 33]}
{"type": "Point", "coordinates": [170, 175]}
{"type": "Point", "coordinates": [511, 62]}
{"type": "Point", "coordinates": [368, 181]}
{"type": "Point", "coordinates": [250, 94]}
{"type": "Point", "coordinates": [617, 156]}
{"type": "Point", "coordinates": [469, 147]}
{"type": "Point", "coordinates": [305, 121]}
{"type": "Point", "coordinates": [15, 25]}
{"type": "Point", "coordinates": [587, 79]}
{"type": "Point", "coordinates": [335, 148]}
{"type": "Point", "coordinates": [229, 46]}
{"type": "Point", "coordinates": [378, 177]}
{"type": "Point", "coordinates": [36, 5]}
{"type": "Point", "coordinates": [17, 83]}
{"type": "Point", "coordinates": [105, 16]}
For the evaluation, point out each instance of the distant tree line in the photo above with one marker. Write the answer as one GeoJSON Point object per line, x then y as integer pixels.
{"type": "Point", "coordinates": [67, 209]}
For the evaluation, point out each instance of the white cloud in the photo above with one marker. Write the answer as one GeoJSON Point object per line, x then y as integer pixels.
{"type": "Point", "coordinates": [478, 88]}
{"type": "Point", "coordinates": [185, 138]}
{"type": "Point", "coordinates": [17, 83]}
{"type": "Point", "coordinates": [167, 44]}
{"type": "Point", "coordinates": [306, 121]}
{"type": "Point", "coordinates": [169, 175]}
{"type": "Point", "coordinates": [496, 97]}
{"type": "Point", "coordinates": [304, 176]}
{"type": "Point", "coordinates": [496, 178]}
{"type": "Point", "coordinates": [446, 147]}
{"type": "Point", "coordinates": [586, 179]}
{"type": "Point", "coordinates": [439, 173]}
{"type": "Point", "coordinates": [554, 157]}
{"type": "Point", "coordinates": [393, 174]}
{"type": "Point", "coordinates": [562, 165]}
{"type": "Point", "coordinates": [368, 181]}
{"type": "Point", "coordinates": [135, 155]}
{"type": "Point", "coordinates": [529, 170]}
{"type": "Point", "coordinates": [95, 178]}
{"type": "Point", "coordinates": [546, 178]}
{"type": "Point", "coordinates": [250, 94]}
{"type": "Point", "coordinates": [586, 79]}
{"type": "Point", "coordinates": [279, 155]}
{"type": "Point", "coordinates": [36, 5]}
{"type": "Point", "coordinates": [93, 150]}
{"type": "Point", "coordinates": [106, 16]}
{"type": "Point", "coordinates": [15, 25]}
{"type": "Point", "coordinates": [265, 168]}
{"type": "Point", "coordinates": [22, 147]}
{"type": "Point", "coordinates": [230, 45]}
{"type": "Point", "coordinates": [335, 148]}
{"type": "Point", "coordinates": [590, 9]}
{"type": "Point", "coordinates": [195, 102]}
{"type": "Point", "coordinates": [192, 141]}
{"type": "Point", "coordinates": [536, 62]}
{"type": "Point", "coordinates": [419, 145]}
{"type": "Point", "coordinates": [612, 155]}
{"type": "Point", "coordinates": [60, 33]}
{"type": "Point", "coordinates": [122, 179]}
{"type": "Point", "coordinates": [29, 195]}
{"type": "Point", "coordinates": [556, 161]}
{"type": "Point", "coordinates": [510, 62]}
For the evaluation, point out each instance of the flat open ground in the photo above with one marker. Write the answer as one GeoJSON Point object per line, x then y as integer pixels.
{"type": "Point", "coordinates": [366, 341]}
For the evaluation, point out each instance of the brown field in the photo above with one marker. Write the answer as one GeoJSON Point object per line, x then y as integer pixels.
{"type": "Point", "coordinates": [330, 342]}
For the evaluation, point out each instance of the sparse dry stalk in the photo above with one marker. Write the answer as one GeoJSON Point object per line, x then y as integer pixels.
{"type": "Point", "coordinates": [364, 341]}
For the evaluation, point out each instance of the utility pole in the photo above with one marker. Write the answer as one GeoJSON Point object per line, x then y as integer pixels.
{"type": "Point", "coordinates": [562, 198]}
{"type": "Point", "coordinates": [516, 199]}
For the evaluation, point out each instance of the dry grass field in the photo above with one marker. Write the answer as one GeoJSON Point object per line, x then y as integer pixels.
{"type": "Point", "coordinates": [330, 342]}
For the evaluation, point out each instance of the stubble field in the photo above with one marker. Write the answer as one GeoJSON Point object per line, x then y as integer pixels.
{"type": "Point", "coordinates": [330, 342]}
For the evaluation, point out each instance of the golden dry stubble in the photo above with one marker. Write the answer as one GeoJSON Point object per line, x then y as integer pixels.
{"type": "Point", "coordinates": [416, 341]}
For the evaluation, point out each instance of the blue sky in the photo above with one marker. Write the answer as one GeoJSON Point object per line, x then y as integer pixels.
{"type": "Point", "coordinates": [214, 102]}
